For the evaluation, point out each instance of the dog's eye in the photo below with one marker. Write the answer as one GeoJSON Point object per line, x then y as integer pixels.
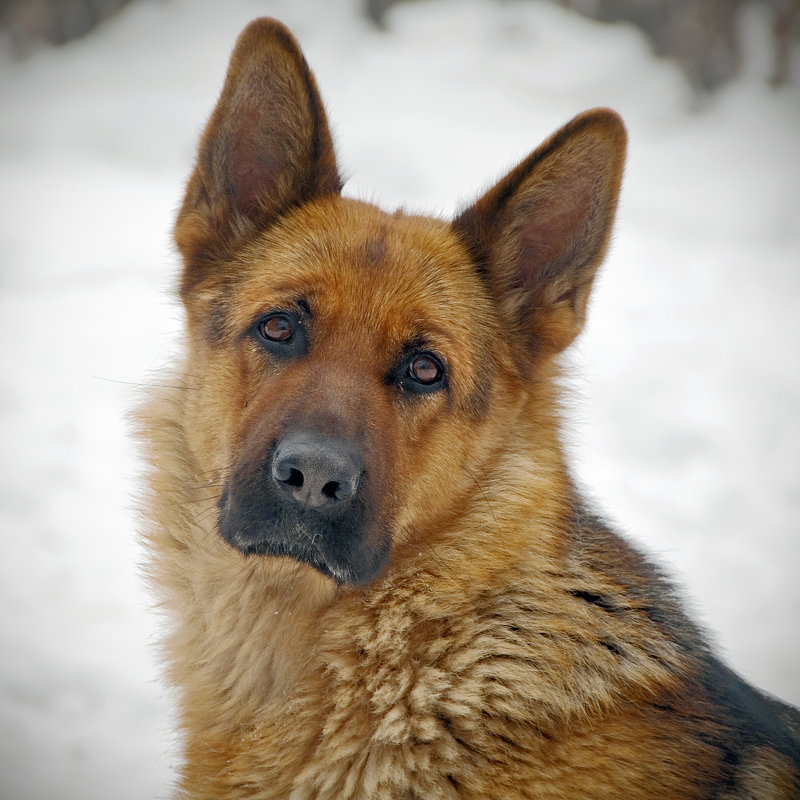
{"type": "Point", "coordinates": [282, 333]}
{"type": "Point", "coordinates": [425, 370]}
{"type": "Point", "coordinates": [420, 374]}
{"type": "Point", "coordinates": [276, 328]}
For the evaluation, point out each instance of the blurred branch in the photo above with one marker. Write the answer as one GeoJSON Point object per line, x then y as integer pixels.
{"type": "Point", "coordinates": [53, 21]}
{"type": "Point", "coordinates": [785, 29]}
{"type": "Point", "coordinates": [702, 36]}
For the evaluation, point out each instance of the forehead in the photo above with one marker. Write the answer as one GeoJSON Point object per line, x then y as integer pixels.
{"type": "Point", "coordinates": [391, 275]}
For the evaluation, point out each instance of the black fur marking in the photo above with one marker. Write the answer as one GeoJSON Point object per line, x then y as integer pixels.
{"type": "Point", "coordinates": [760, 720]}
{"type": "Point", "coordinates": [375, 251]}
{"type": "Point", "coordinates": [594, 599]}
{"type": "Point", "coordinates": [612, 647]}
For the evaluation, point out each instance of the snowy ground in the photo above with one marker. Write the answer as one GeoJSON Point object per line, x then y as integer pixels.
{"type": "Point", "coordinates": [685, 421]}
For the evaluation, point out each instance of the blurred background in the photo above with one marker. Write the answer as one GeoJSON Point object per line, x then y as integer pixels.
{"type": "Point", "coordinates": [684, 413]}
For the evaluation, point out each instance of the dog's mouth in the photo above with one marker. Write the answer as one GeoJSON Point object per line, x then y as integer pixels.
{"type": "Point", "coordinates": [310, 501]}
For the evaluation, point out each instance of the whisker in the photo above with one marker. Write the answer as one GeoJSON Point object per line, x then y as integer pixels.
{"type": "Point", "coordinates": [485, 498]}
{"type": "Point", "coordinates": [140, 385]}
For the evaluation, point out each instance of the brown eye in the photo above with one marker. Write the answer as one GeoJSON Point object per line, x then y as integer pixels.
{"type": "Point", "coordinates": [425, 370]}
{"type": "Point", "coordinates": [276, 328]}
{"type": "Point", "coordinates": [283, 334]}
{"type": "Point", "coordinates": [419, 372]}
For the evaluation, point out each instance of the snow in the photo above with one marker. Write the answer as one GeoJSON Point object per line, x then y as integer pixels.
{"type": "Point", "coordinates": [683, 419]}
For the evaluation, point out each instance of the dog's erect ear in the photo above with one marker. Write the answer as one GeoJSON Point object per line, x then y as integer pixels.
{"type": "Point", "coordinates": [541, 232]}
{"type": "Point", "coordinates": [266, 148]}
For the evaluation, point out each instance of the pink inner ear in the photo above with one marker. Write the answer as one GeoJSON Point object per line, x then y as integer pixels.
{"type": "Point", "coordinates": [255, 177]}
{"type": "Point", "coordinates": [556, 232]}
{"type": "Point", "coordinates": [254, 166]}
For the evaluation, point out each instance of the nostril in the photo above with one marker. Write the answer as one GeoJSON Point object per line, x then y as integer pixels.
{"type": "Point", "coordinates": [331, 490]}
{"type": "Point", "coordinates": [295, 478]}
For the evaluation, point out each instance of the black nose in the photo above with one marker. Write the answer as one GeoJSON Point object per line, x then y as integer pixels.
{"type": "Point", "coordinates": [316, 471]}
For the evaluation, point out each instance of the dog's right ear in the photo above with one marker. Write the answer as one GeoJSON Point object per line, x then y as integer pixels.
{"type": "Point", "coordinates": [539, 235]}
{"type": "Point", "coordinates": [266, 148]}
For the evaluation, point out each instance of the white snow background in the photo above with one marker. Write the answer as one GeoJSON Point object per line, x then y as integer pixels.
{"type": "Point", "coordinates": [684, 416]}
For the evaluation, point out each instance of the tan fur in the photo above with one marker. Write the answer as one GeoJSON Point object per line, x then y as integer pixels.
{"type": "Point", "coordinates": [512, 646]}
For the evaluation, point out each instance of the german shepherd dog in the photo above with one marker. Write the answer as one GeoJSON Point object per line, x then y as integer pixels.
{"type": "Point", "coordinates": [381, 579]}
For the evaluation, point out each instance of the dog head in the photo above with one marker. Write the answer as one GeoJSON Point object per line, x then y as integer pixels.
{"type": "Point", "coordinates": [353, 371]}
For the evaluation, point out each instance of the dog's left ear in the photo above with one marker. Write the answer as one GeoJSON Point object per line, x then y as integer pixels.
{"type": "Point", "coordinates": [540, 234]}
{"type": "Point", "coordinates": [266, 148]}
